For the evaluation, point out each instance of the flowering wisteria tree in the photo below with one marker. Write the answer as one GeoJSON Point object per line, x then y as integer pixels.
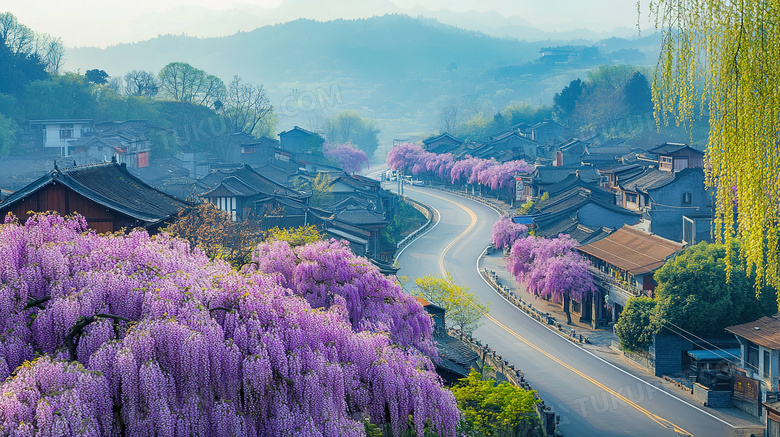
{"type": "Point", "coordinates": [461, 170]}
{"type": "Point", "coordinates": [440, 165]}
{"type": "Point", "coordinates": [403, 156]}
{"type": "Point", "coordinates": [487, 172]}
{"type": "Point", "coordinates": [351, 159]}
{"type": "Point", "coordinates": [132, 335]}
{"type": "Point", "coordinates": [506, 231]}
{"type": "Point", "coordinates": [479, 171]}
{"type": "Point", "coordinates": [502, 176]}
{"type": "Point", "coordinates": [550, 267]}
{"type": "Point", "coordinates": [328, 275]}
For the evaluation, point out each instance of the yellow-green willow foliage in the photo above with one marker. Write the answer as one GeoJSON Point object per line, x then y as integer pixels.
{"type": "Point", "coordinates": [721, 59]}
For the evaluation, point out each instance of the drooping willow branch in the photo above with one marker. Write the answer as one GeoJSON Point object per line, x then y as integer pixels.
{"type": "Point", "coordinates": [77, 329]}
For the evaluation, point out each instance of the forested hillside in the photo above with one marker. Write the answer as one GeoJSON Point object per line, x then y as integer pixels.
{"type": "Point", "coordinates": [398, 70]}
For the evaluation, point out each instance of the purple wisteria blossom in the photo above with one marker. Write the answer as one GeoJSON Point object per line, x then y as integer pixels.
{"type": "Point", "coordinates": [403, 156]}
{"type": "Point", "coordinates": [506, 231]}
{"type": "Point", "coordinates": [462, 170]}
{"type": "Point", "coordinates": [328, 275]}
{"type": "Point", "coordinates": [551, 268]}
{"type": "Point", "coordinates": [479, 171]}
{"type": "Point", "coordinates": [502, 176]}
{"type": "Point", "coordinates": [487, 172]}
{"type": "Point", "coordinates": [351, 159]}
{"type": "Point", "coordinates": [130, 335]}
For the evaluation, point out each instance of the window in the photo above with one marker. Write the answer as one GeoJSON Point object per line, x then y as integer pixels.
{"type": "Point", "coordinates": [767, 361]}
{"type": "Point", "coordinates": [686, 198]}
{"type": "Point", "coordinates": [66, 131]}
{"type": "Point", "coordinates": [751, 361]}
{"type": "Point", "coordinates": [227, 204]}
{"type": "Point", "coordinates": [665, 163]}
{"type": "Point", "coordinates": [680, 164]}
{"type": "Point", "coordinates": [247, 149]}
{"type": "Point", "coordinates": [631, 197]}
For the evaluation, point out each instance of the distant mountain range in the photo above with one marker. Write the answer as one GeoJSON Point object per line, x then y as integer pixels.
{"type": "Point", "coordinates": [395, 69]}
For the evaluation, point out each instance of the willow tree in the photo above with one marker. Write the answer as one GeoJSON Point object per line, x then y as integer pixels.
{"type": "Point", "coordinates": [719, 59]}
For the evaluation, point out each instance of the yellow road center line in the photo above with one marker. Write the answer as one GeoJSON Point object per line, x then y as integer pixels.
{"type": "Point", "coordinates": [657, 419]}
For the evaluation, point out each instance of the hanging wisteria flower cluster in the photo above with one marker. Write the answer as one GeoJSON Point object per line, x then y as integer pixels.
{"type": "Point", "coordinates": [328, 275]}
{"type": "Point", "coordinates": [132, 335]}
{"type": "Point", "coordinates": [350, 158]}
{"type": "Point", "coordinates": [505, 232]}
{"type": "Point", "coordinates": [487, 172]}
{"type": "Point", "coordinates": [550, 267]}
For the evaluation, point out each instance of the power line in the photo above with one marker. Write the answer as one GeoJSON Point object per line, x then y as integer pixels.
{"type": "Point", "coordinates": [703, 340]}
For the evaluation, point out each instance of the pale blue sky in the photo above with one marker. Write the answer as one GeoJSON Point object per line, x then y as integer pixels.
{"type": "Point", "coordinates": [107, 22]}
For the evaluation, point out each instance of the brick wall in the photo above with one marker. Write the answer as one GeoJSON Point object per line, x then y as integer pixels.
{"type": "Point", "coordinates": [711, 398]}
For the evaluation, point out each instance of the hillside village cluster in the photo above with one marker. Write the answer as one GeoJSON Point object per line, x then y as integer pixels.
{"type": "Point", "coordinates": [609, 196]}
{"type": "Point", "coordinates": [629, 209]}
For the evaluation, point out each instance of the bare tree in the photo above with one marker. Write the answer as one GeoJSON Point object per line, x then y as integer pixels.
{"type": "Point", "coordinates": [52, 53]}
{"type": "Point", "coordinates": [450, 118]}
{"type": "Point", "coordinates": [116, 84]}
{"type": "Point", "coordinates": [18, 37]}
{"type": "Point", "coordinates": [141, 83]}
{"type": "Point", "coordinates": [21, 40]}
{"type": "Point", "coordinates": [246, 106]}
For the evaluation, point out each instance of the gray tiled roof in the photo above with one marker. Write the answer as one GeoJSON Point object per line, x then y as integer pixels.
{"type": "Point", "coordinates": [251, 179]}
{"type": "Point", "coordinates": [359, 216]}
{"type": "Point", "coordinates": [669, 148]}
{"type": "Point", "coordinates": [112, 186]}
{"type": "Point", "coordinates": [652, 178]}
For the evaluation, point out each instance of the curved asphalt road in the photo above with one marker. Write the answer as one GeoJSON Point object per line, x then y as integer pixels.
{"type": "Point", "coordinates": [593, 397]}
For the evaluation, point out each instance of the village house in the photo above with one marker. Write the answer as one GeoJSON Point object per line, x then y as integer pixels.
{"type": "Point", "coordinates": [586, 213]}
{"type": "Point", "coordinates": [510, 146]}
{"type": "Point", "coordinates": [545, 132]}
{"type": "Point", "coordinates": [440, 144]}
{"type": "Point", "coordinates": [569, 152]}
{"type": "Point", "coordinates": [362, 227]}
{"type": "Point", "coordinates": [536, 183]}
{"type": "Point", "coordinates": [299, 139]}
{"type": "Point", "coordinates": [241, 148]}
{"type": "Point", "coordinates": [108, 196]}
{"type": "Point", "coordinates": [54, 137]}
{"type": "Point", "coordinates": [623, 264]}
{"type": "Point", "coordinates": [758, 379]}
{"type": "Point", "coordinates": [128, 142]}
{"type": "Point", "coordinates": [671, 195]}
{"type": "Point", "coordinates": [241, 191]}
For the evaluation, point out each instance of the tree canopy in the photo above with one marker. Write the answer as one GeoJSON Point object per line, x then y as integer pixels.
{"type": "Point", "coordinates": [693, 292]}
{"type": "Point", "coordinates": [550, 267]}
{"type": "Point", "coordinates": [463, 310]}
{"type": "Point", "coordinates": [505, 231]}
{"type": "Point", "coordinates": [247, 108]}
{"type": "Point", "coordinates": [116, 335]}
{"type": "Point", "coordinates": [719, 60]}
{"type": "Point", "coordinates": [349, 127]}
{"type": "Point", "coordinates": [183, 82]}
{"type": "Point", "coordinates": [351, 159]}
{"type": "Point", "coordinates": [693, 297]}
{"type": "Point", "coordinates": [97, 76]}
{"type": "Point", "coordinates": [495, 409]}
{"type": "Point", "coordinates": [635, 326]}
{"type": "Point", "coordinates": [214, 232]}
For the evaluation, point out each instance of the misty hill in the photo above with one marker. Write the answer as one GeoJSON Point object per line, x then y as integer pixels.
{"type": "Point", "coordinates": [395, 69]}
